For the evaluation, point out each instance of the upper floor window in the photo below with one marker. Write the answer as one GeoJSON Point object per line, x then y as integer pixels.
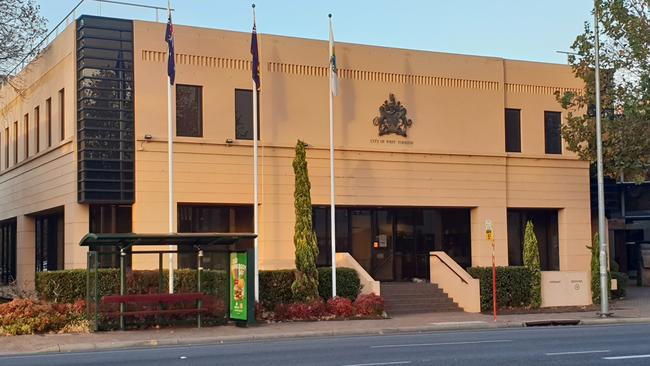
{"type": "Point", "coordinates": [26, 134]}
{"type": "Point", "coordinates": [244, 115]}
{"type": "Point", "coordinates": [513, 130]}
{"type": "Point", "coordinates": [48, 121]}
{"type": "Point", "coordinates": [37, 123]}
{"type": "Point", "coordinates": [15, 142]}
{"type": "Point", "coordinates": [552, 132]}
{"type": "Point", "coordinates": [189, 110]}
{"type": "Point", "coordinates": [62, 112]}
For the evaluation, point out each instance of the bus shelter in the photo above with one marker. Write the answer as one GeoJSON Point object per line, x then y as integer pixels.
{"type": "Point", "coordinates": [239, 274]}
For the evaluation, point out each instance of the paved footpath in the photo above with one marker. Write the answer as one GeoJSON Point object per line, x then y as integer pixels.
{"type": "Point", "coordinates": [634, 309]}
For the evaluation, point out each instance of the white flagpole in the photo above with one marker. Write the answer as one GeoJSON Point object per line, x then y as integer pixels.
{"type": "Point", "coordinates": [332, 192]}
{"type": "Point", "coordinates": [170, 159]}
{"type": "Point", "coordinates": [255, 185]}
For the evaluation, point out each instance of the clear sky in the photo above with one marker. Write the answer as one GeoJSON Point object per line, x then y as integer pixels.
{"type": "Point", "coordinates": [515, 29]}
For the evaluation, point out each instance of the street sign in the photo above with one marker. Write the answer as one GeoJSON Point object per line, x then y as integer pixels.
{"type": "Point", "coordinates": [489, 233]}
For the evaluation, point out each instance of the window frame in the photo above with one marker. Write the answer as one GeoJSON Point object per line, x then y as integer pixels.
{"type": "Point", "coordinates": [240, 90]}
{"type": "Point", "coordinates": [548, 149]}
{"type": "Point", "coordinates": [199, 106]}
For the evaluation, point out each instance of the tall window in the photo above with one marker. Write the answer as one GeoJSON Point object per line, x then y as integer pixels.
{"type": "Point", "coordinates": [26, 134]}
{"type": "Point", "coordinates": [213, 218]}
{"type": "Point", "coordinates": [48, 121]}
{"type": "Point", "coordinates": [244, 115]}
{"type": "Point", "coordinates": [552, 133]}
{"type": "Point", "coordinates": [62, 112]}
{"type": "Point", "coordinates": [110, 219]}
{"type": "Point", "coordinates": [7, 148]}
{"type": "Point", "coordinates": [189, 110]}
{"type": "Point", "coordinates": [513, 130]}
{"type": "Point", "coordinates": [546, 231]}
{"type": "Point", "coordinates": [15, 142]}
{"type": "Point", "coordinates": [7, 252]}
{"type": "Point", "coordinates": [37, 121]}
{"type": "Point", "coordinates": [49, 242]}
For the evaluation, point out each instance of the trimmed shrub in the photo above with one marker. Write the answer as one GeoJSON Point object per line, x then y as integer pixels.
{"type": "Point", "coordinates": [275, 288]}
{"type": "Point", "coordinates": [513, 286]}
{"type": "Point", "coordinates": [305, 284]}
{"type": "Point", "coordinates": [340, 307]}
{"type": "Point", "coordinates": [531, 261]}
{"type": "Point", "coordinates": [621, 279]}
{"type": "Point", "coordinates": [27, 316]}
{"type": "Point", "coordinates": [67, 286]}
{"type": "Point", "coordinates": [369, 305]}
{"type": "Point", "coordinates": [347, 282]}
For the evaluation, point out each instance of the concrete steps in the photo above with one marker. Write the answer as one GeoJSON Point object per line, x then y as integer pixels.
{"type": "Point", "coordinates": [415, 298]}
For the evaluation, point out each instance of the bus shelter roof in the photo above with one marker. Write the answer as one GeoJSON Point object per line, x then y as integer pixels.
{"type": "Point", "coordinates": [184, 239]}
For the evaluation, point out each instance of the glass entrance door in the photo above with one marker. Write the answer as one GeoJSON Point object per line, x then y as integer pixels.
{"type": "Point", "coordinates": [382, 247]}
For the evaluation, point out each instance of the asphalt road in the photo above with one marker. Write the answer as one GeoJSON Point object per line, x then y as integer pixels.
{"type": "Point", "coordinates": [587, 345]}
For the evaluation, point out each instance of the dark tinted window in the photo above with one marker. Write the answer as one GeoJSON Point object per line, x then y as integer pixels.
{"type": "Point", "coordinates": [49, 242]}
{"type": "Point", "coordinates": [513, 130]}
{"type": "Point", "coordinates": [7, 252]}
{"type": "Point", "coordinates": [189, 111]}
{"type": "Point", "coordinates": [48, 121]}
{"type": "Point", "coordinates": [546, 231]}
{"type": "Point", "coordinates": [244, 115]}
{"type": "Point", "coordinates": [110, 219]}
{"type": "Point", "coordinates": [552, 135]}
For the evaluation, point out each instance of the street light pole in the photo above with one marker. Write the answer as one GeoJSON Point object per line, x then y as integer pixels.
{"type": "Point", "coordinates": [604, 298]}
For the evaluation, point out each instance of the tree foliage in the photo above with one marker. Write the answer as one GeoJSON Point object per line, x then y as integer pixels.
{"type": "Point", "coordinates": [531, 261]}
{"type": "Point", "coordinates": [625, 90]}
{"type": "Point", "coordinates": [21, 27]}
{"type": "Point", "coordinates": [305, 285]}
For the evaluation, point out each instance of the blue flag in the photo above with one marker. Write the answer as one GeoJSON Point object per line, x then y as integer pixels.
{"type": "Point", "coordinates": [171, 63]}
{"type": "Point", "coordinates": [255, 66]}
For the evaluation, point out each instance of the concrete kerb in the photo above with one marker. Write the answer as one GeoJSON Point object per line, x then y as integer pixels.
{"type": "Point", "coordinates": [84, 347]}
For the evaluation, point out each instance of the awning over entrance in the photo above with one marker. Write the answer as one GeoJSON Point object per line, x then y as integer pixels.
{"type": "Point", "coordinates": [184, 239]}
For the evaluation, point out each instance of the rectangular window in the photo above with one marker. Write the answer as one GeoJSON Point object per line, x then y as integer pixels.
{"type": "Point", "coordinates": [244, 114]}
{"type": "Point", "coordinates": [552, 132]}
{"type": "Point", "coordinates": [7, 252]}
{"type": "Point", "coordinates": [37, 121]}
{"type": "Point", "coordinates": [49, 242]}
{"type": "Point", "coordinates": [62, 112]}
{"type": "Point", "coordinates": [110, 219]}
{"type": "Point", "coordinates": [546, 231]}
{"type": "Point", "coordinates": [189, 110]}
{"type": "Point", "coordinates": [15, 142]}
{"type": "Point", "coordinates": [7, 148]}
{"type": "Point", "coordinates": [26, 134]}
{"type": "Point", "coordinates": [213, 218]}
{"type": "Point", "coordinates": [48, 121]}
{"type": "Point", "coordinates": [513, 130]}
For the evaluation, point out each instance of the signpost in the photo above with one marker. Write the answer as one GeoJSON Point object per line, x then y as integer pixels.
{"type": "Point", "coordinates": [242, 287]}
{"type": "Point", "coordinates": [489, 235]}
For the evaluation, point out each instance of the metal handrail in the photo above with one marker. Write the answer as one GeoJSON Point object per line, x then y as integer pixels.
{"type": "Point", "coordinates": [448, 266]}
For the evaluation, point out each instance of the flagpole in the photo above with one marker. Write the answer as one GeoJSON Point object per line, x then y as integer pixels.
{"type": "Point", "coordinates": [332, 191]}
{"type": "Point", "coordinates": [255, 184]}
{"type": "Point", "coordinates": [170, 160]}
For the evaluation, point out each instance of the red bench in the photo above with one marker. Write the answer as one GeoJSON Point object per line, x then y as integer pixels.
{"type": "Point", "coordinates": [155, 299]}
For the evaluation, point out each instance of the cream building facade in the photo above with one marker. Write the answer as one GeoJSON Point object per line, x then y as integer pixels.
{"type": "Point", "coordinates": [84, 148]}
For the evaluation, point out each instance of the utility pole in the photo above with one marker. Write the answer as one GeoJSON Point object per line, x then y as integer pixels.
{"type": "Point", "coordinates": [604, 296]}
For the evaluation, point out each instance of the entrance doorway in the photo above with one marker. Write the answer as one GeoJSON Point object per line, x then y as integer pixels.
{"type": "Point", "coordinates": [393, 244]}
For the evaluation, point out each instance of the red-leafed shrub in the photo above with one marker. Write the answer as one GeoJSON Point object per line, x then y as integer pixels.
{"type": "Point", "coordinates": [340, 307]}
{"type": "Point", "coordinates": [369, 305]}
{"type": "Point", "coordinates": [27, 316]}
{"type": "Point", "coordinates": [307, 311]}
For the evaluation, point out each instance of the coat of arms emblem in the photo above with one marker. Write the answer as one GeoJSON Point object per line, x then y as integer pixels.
{"type": "Point", "coordinates": [392, 118]}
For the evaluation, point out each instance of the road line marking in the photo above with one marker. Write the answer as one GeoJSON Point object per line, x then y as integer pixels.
{"type": "Point", "coordinates": [380, 363]}
{"type": "Point", "coordinates": [625, 357]}
{"type": "Point", "coordinates": [439, 344]}
{"type": "Point", "coordinates": [577, 352]}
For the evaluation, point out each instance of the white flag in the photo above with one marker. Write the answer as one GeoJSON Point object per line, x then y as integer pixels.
{"type": "Point", "coordinates": [334, 72]}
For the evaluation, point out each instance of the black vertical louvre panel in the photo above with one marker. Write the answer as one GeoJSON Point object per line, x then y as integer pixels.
{"type": "Point", "coordinates": [105, 117]}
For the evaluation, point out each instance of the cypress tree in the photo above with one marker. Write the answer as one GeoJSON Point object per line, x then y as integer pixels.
{"type": "Point", "coordinates": [305, 284]}
{"type": "Point", "coordinates": [531, 261]}
{"type": "Point", "coordinates": [595, 270]}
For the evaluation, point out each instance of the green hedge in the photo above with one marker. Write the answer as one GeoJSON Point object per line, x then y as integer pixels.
{"type": "Point", "coordinates": [621, 279]}
{"type": "Point", "coordinates": [513, 286]}
{"type": "Point", "coordinates": [70, 285]}
{"type": "Point", "coordinates": [275, 286]}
